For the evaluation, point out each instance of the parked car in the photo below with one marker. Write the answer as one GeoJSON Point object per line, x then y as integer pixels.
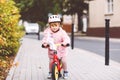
{"type": "Point", "coordinates": [31, 28]}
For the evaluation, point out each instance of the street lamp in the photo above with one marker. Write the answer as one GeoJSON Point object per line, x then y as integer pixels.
{"type": "Point", "coordinates": [107, 26]}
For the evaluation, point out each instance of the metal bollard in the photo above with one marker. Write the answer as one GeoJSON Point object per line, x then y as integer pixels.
{"type": "Point", "coordinates": [72, 36]}
{"type": "Point", "coordinates": [107, 22]}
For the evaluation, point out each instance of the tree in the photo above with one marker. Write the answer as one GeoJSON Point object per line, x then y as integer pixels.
{"type": "Point", "coordinates": [57, 7]}
{"type": "Point", "coordinates": [24, 6]}
{"type": "Point", "coordinates": [37, 10]}
{"type": "Point", "coordinates": [75, 6]}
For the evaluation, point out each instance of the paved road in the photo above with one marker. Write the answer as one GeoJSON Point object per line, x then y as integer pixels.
{"type": "Point", "coordinates": [97, 45]}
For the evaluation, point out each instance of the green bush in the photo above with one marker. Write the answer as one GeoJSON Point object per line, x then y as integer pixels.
{"type": "Point", "coordinates": [10, 32]}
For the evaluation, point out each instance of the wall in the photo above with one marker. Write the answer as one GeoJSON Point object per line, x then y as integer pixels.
{"type": "Point", "coordinates": [97, 14]}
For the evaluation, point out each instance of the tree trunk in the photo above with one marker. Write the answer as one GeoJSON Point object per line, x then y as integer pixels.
{"type": "Point", "coordinates": [80, 24]}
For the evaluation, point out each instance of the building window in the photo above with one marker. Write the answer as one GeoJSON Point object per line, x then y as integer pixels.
{"type": "Point", "coordinates": [109, 7]}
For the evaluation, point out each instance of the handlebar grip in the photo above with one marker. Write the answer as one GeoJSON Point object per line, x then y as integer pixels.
{"type": "Point", "coordinates": [68, 44]}
{"type": "Point", "coordinates": [65, 45]}
{"type": "Point", "coordinates": [44, 46]}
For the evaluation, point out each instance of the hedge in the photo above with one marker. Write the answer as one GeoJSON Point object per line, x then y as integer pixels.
{"type": "Point", "coordinates": [10, 32]}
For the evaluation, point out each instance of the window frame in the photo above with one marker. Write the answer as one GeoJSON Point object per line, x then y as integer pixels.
{"type": "Point", "coordinates": [109, 6]}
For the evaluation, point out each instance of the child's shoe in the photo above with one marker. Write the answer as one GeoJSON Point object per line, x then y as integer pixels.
{"type": "Point", "coordinates": [65, 74]}
{"type": "Point", "coordinates": [49, 75]}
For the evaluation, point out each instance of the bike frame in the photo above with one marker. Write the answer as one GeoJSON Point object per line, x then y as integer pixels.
{"type": "Point", "coordinates": [57, 61]}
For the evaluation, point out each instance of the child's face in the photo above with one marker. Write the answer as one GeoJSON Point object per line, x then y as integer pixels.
{"type": "Point", "coordinates": [54, 26]}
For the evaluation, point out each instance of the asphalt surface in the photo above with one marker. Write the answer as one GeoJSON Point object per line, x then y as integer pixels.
{"type": "Point", "coordinates": [97, 45]}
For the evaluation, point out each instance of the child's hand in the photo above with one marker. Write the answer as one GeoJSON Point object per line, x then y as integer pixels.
{"type": "Point", "coordinates": [45, 45]}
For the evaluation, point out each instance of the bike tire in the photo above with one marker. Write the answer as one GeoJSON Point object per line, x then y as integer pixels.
{"type": "Point", "coordinates": [55, 72]}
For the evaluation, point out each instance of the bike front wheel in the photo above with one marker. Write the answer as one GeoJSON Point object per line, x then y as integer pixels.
{"type": "Point", "coordinates": [55, 72]}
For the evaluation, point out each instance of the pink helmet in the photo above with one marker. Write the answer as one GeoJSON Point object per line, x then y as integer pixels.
{"type": "Point", "coordinates": [54, 18]}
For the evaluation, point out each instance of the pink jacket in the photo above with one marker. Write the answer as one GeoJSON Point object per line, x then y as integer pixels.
{"type": "Point", "coordinates": [59, 37]}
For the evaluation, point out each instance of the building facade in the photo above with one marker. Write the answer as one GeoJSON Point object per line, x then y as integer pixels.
{"type": "Point", "coordinates": [67, 22]}
{"type": "Point", "coordinates": [99, 10]}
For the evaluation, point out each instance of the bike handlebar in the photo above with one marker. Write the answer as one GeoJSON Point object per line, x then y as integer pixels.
{"type": "Point", "coordinates": [67, 45]}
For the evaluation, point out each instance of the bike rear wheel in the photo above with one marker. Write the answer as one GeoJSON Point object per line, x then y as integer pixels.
{"type": "Point", "coordinates": [55, 72]}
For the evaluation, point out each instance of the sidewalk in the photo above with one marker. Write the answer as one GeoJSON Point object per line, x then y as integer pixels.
{"type": "Point", "coordinates": [79, 35]}
{"type": "Point", "coordinates": [32, 63]}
